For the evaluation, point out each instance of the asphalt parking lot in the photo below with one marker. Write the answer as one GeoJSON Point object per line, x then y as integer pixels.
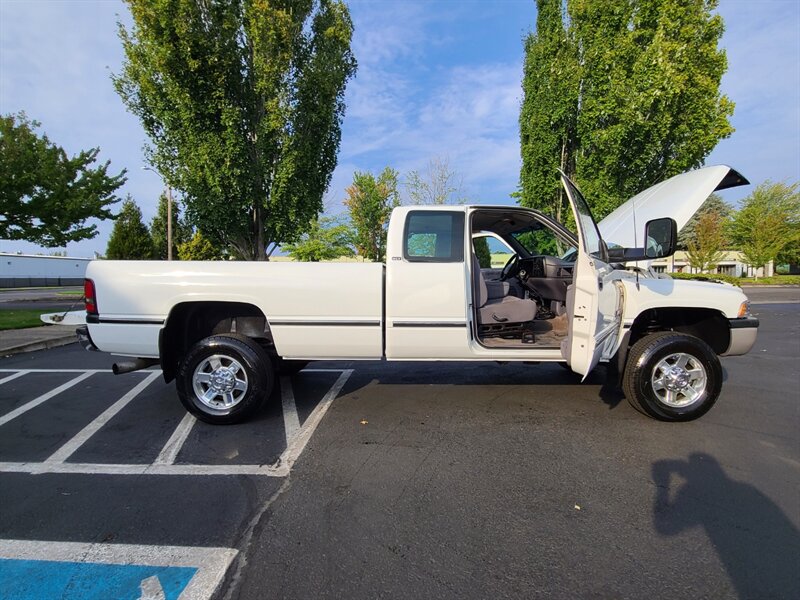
{"type": "Point", "coordinates": [404, 480]}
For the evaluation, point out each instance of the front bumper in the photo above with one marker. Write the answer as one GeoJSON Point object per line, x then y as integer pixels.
{"type": "Point", "coordinates": [743, 335]}
{"type": "Point", "coordinates": [85, 339]}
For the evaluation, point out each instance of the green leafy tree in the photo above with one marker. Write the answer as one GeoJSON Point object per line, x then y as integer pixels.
{"type": "Point", "coordinates": [130, 239]}
{"type": "Point", "coordinates": [767, 222]}
{"type": "Point", "coordinates": [714, 204]}
{"type": "Point", "coordinates": [198, 247]}
{"type": "Point", "coordinates": [548, 115]}
{"type": "Point", "coordinates": [328, 239]}
{"type": "Point", "coordinates": [243, 102]}
{"type": "Point", "coordinates": [619, 95]}
{"type": "Point", "coordinates": [707, 242]}
{"type": "Point", "coordinates": [370, 201]}
{"type": "Point", "coordinates": [181, 230]}
{"type": "Point", "coordinates": [46, 197]}
{"type": "Point", "coordinates": [790, 254]}
{"type": "Point", "coordinates": [481, 246]}
{"type": "Point", "coordinates": [438, 184]}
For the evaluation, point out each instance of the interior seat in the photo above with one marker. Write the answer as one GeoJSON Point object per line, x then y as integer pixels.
{"type": "Point", "coordinates": [495, 306]}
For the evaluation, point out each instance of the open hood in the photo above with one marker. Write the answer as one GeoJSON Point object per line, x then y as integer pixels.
{"type": "Point", "coordinates": [678, 197]}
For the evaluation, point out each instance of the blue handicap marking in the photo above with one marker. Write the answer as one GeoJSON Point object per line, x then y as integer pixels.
{"type": "Point", "coordinates": [40, 579]}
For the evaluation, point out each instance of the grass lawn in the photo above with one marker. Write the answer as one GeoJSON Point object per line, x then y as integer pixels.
{"type": "Point", "coordinates": [70, 293]}
{"type": "Point", "coordinates": [19, 319]}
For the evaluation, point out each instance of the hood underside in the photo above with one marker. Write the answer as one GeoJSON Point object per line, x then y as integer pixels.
{"type": "Point", "coordinates": [678, 197]}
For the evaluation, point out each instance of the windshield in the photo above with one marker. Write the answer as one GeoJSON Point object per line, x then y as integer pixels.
{"type": "Point", "coordinates": [588, 227]}
{"type": "Point", "coordinates": [539, 240]}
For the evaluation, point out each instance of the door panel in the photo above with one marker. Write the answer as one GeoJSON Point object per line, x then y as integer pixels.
{"type": "Point", "coordinates": [593, 299]}
{"type": "Point", "coordinates": [426, 286]}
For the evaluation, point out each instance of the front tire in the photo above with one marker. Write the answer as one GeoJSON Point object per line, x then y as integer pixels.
{"type": "Point", "coordinates": [672, 376]}
{"type": "Point", "coordinates": [224, 379]}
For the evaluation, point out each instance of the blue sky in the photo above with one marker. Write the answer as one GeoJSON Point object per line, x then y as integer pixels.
{"type": "Point", "coordinates": [436, 79]}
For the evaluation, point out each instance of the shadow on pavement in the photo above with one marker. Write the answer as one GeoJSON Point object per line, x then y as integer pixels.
{"type": "Point", "coordinates": [757, 543]}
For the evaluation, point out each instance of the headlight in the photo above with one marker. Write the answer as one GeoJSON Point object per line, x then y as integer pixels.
{"type": "Point", "coordinates": [744, 309]}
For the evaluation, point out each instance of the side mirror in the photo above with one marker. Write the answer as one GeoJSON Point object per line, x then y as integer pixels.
{"type": "Point", "coordinates": [661, 237]}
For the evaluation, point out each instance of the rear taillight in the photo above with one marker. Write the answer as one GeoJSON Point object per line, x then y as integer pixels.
{"type": "Point", "coordinates": [90, 297]}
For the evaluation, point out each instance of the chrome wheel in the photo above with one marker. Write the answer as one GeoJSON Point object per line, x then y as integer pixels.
{"type": "Point", "coordinates": [220, 382]}
{"type": "Point", "coordinates": [679, 380]}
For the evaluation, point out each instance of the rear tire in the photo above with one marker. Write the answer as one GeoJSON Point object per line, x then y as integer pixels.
{"type": "Point", "coordinates": [224, 379]}
{"type": "Point", "coordinates": [672, 376]}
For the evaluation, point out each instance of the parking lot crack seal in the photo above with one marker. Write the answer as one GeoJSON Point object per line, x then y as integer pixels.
{"type": "Point", "coordinates": [234, 579]}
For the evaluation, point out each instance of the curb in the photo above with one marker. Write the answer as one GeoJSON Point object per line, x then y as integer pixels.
{"type": "Point", "coordinates": [39, 345]}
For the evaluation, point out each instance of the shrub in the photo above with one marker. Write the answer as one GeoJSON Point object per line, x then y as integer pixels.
{"type": "Point", "coordinates": [707, 277]}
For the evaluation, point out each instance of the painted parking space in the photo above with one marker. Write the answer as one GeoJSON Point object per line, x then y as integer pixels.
{"type": "Point", "coordinates": [34, 569]}
{"type": "Point", "coordinates": [91, 422]}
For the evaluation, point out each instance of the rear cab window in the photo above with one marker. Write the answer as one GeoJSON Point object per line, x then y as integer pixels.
{"type": "Point", "coordinates": [434, 236]}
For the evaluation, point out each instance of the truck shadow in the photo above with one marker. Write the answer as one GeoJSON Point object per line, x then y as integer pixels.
{"type": "Point", "coordinates": [756, 542]}
{"type": "Point", "coordinates": [601, 383]}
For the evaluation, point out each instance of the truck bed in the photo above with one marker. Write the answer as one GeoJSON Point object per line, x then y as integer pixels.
{"type": "Point", "coordinates": [333, 310]}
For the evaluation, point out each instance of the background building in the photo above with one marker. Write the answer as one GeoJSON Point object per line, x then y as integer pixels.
{"type": "Point", "coordinates": [25, 270]}
{"type": "Point", "coordinates": [731, 264]}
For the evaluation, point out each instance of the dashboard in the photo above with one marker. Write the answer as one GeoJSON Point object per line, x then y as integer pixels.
{"type": "Point", "coordinates": [545, 266]}
{"type": "Point", "coordinates": [546, 276]}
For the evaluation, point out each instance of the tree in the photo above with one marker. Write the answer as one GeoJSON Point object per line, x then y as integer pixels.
{"type": "Point", "coordinates": [482, 252]}
{"type": "Point", "coordinates": [790, 254]}
{"type": "Point", "coordinates": [198, 248]}
{"type": "Point", "coordinates": [243, 102]}
{"type": "Point", "coordinates": [130, 239]}
{"type": "Point", "coordinates": [327, 239]}
{"type": "Point", "coordinates": [714, 204]}
{"type": "Point", "coordinates": [438, 185]}
{"type": "Point", "coordinates": [767, 222]}
{"type": "Point", "coordinates": [548, 115]}
{"type": "Point", "coordinates": [181, 230]}
{"type": "Point", "coordinates": [707, 242]}
{"type": "Point", "coordinates": [619, 95]}
{"type": "Point", "coordinates": [370, 201]}
{"type": "Point", "coordinates": [47, 197]}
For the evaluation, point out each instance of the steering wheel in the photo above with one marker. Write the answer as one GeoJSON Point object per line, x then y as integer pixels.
{"type": "Point", "coordinates": [511, 268]}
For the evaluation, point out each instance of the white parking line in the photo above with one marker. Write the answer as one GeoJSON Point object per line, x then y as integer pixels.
{"type": "Point", "coordinates": [68, 449]}
{"type": "Point", "coordinates": [291, 422]}
{"type": "Point", "coordinates": [211, 563]}
{"type": "Point", "coordinates": [294, 449]}
{"type": "Point", "coordinates": [63, 371]}
{"type": "Point", "coordinates": [174, 444]}
{"type": "Point", "coordinates": [164, 463]}
{"type": "Point", "coordinates": [43, 398]}
{"type": "Point", "coordinates": [40, 468]}
{"type": "Point", "coordinates": [13, 377]}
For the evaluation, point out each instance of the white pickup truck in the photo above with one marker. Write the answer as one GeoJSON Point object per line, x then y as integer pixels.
{"type": "Point", "coordinates": [223, 329]}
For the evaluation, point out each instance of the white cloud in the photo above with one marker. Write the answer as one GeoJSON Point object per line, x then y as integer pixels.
{"type": "Point", "coordinates": [418, 94]}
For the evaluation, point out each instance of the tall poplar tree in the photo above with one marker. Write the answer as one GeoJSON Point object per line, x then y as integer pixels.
{"type": "Point", "coordinates": [243, 102]}
{"type": "Point", "coordinates": [548, 116]}
{"type": "Point", "coordinates": [620, 95]}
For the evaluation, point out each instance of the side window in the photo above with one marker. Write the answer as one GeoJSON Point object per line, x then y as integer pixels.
{"type": "Point", "coordinates": [434, 236]}
{"type": "Point", "coordinates": [492, 252]}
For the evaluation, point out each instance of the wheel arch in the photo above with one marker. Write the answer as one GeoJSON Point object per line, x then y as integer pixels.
{"type": "Point", "coordinates": [708, 324]}
{"type": "Point", "coordinates": [191, 321]}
